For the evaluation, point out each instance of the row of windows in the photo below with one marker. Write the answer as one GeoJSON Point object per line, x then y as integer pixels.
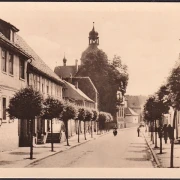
{"type": "Point", "coordinates": [120, 113]}
{"type": "Point", "coordinates": [44, 86]}
{"type": "Point", "coordinates": [8, 61]}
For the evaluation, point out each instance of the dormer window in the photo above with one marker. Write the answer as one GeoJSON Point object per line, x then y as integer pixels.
{"type": "Point", "coordinates": [8, 30]}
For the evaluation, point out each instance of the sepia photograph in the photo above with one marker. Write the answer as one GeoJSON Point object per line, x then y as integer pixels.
{"type": "Point", "coordinates": [89, 86]}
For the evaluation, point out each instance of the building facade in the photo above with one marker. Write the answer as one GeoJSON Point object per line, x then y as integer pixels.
{"type": "Point", "coordinates": [13, 77]}
{"type": "Point", "coordinates": [22, 67]}
{"type": "Point", "coordinates": [136, 103]}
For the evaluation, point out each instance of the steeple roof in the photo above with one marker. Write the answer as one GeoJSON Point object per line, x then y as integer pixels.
{"type": "Point", "coordinates": [93, 34]}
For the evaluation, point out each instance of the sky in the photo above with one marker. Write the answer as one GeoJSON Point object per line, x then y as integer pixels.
{"type": "Point", "coordinates": [145, 35]}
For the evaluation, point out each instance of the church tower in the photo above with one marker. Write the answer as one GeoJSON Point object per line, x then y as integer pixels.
{"type": "Point", "coordinates": [93, 44]}
{"type": "Point", "coordinates": [93, 37]}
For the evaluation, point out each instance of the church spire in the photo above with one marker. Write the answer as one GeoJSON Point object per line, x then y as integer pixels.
{"type": "Point", "coordinates": [64, 60]}
{"type": "Point", "coordinates": [93, 37]}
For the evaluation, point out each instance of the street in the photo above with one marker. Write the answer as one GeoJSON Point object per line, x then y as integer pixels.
{"type": "Point", "coordinates": [125, 150]}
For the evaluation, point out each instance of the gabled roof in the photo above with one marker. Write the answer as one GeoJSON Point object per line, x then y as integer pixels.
{"type": "Point", "coordinates": [37, 62]}
{"type": "Point", "coordinates": [65, 71]}
{"type": "Point", "coordinates": [85, 79]}
{"type": "Point", "coordinates": [129, 112]}
{"type": "Point", "coordinates": [135, 101]}
{"type": "Point", "coordinates": [75, 93]}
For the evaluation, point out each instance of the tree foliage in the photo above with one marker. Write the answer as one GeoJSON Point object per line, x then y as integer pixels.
{"type": "Point", "coordinates": [89, 114]}
{"type": "Point", "coordinates": [70, 111]}
{"type": "Point", "coordinates": [174, 87]}
{"type": "Point", "coordinates": [102, 119]}
{"type": "Point", "coordinates": [52, 108]}
{"type": "Point", "coordinates": [81, 114]}
{"type": "Point", "coordinates": [106, 78]}
{"type": "Point", "coordinates": [156, 106]}
{"type": "Point", "coordinates": [26, 104]}
{"type": "Point", "coordinates": [95, 115]}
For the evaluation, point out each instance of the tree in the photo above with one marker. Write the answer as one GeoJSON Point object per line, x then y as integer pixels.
{"type": "Point", "coordinates": [150, 115]}
{"type": "Point", "coordinates": [106, 78]}
{"type": "Point", "coordinates": [154, 109]}
{"type": "Point", "coordinates": [163, 103]}
{"type": "Point", "coordinates": [108, 120]}
{"type": "Point", "coordinates": [26, 104]}
{"type": "Point", "coordinates": [88, 117]}
{"type": "Point", "coordinates": [94, 119]}
{"type": "Point", "coordinates": [52, 109]}
{"type": "Point", "coordinates": [81, 116]}
{"type": "Point", "coordinates": [102, 119]}
{"type": "Point", "coordinates": [69, 112]}
{"type": "Point", "coordinates": [174, 96]}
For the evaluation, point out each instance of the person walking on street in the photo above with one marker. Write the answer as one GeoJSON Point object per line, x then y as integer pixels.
{"type": "Point", "coordinates": [138, 131]}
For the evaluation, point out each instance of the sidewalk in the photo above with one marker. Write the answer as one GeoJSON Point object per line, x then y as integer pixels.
{"type": "Point", "coordinates": [164, 159]}
{"type": "Point", "coordinates": [19, 157]}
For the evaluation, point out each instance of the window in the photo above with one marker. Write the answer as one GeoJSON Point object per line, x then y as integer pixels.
{"type": "Point", "coordinates": [47, 89]}
{"type": "Point", "coordinates": [4, 63]}
{"type": "Point", "coordinates": [4, 108]}
{"type": "Point", "coordinates": [47, 86]}
{"type": "Point", "coordinates": [11, 64]}
{"type": "Point", "coordinates": [21, 68]}
{"type": "Point", "coordinates": [11, 35]}
{"type": "Point", "coordinates": [42, 88]}
{"type": "Point", "coordinates": [42, 85]}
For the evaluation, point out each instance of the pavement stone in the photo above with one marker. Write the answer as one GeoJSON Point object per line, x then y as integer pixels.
{"type": "Point", "coordinates": [20, 157]}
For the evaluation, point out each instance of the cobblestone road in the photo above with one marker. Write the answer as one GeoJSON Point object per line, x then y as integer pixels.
{"type": "Point", "coordinates": [126, 150]}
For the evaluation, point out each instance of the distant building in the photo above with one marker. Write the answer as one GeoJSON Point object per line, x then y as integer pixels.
{"type": "Point", "coordinates": [75, 95]}
{"type": "Point", "coordinates": [131, 117]}
{"type": "Point", "coordinates": [136, 103]}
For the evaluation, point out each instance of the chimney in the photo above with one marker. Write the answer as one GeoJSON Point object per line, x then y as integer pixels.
{"type": "Point", "coordinates": [76, 64]}
{"type": "Point", "coordinates": [70, 78]}
{"type": "Point", "coordinates": [76, 84]}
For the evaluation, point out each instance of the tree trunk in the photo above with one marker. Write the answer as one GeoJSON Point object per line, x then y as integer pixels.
{"type": "Point", "coordinates": [177, 116]}
{"type": "Point", "coordinates": [155, 135]}
{"type": "Point", "coordinates": [91, 130]}
{"type": "Point", "coordinates": [151, 132]}
{"type": "Point", "coordinates": [85, 130]}
{"type": "Point", "coordinates": [97, 128]}
{"type": "Point", "coordinates": [66, 125]}
{"type": "Point", "coordinates": [79, 124]}
{"type": "Point", "coordinates": [52, 147]}
{"type": "Point", "coordinates": [31, 143]}
{"type": "Point", "coordinates": [161, 144]}
{"type": "Point", "coordinates": [172, 141]}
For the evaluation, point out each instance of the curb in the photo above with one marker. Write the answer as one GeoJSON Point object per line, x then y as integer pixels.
{"type": "Point", "coordinates": [153, 153]}
{"type": "Point", "coordinates": [94, 138]}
